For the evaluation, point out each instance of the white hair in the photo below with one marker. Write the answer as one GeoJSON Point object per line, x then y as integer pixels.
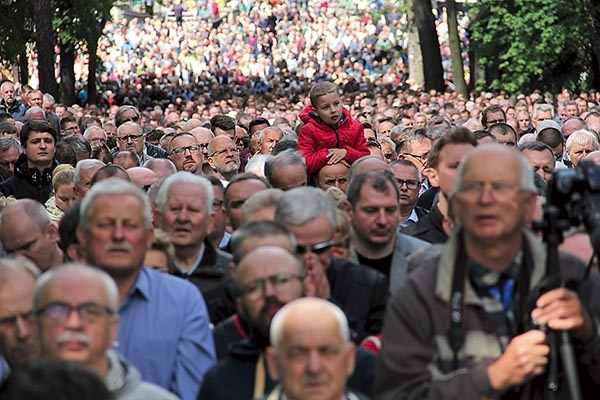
{"type": "Point", "coordinates": [189, 179]}
{"type": "Point", "coordinates": [310, 303]}
{"type": "Point", "coordinates": [582, 137]}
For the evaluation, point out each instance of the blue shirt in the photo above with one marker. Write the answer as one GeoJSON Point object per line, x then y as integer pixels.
{"type": "Point", "coordinates": [164, 332]}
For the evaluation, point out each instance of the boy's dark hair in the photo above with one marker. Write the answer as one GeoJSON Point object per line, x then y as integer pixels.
{"type": "Point", "coordinates": [320, 89]}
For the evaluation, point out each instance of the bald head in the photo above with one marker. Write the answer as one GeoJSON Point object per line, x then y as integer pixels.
{"type": "Point", "coordinates": [368, 163]}
{"type": "Point", "coordinates": [142, 177]}
{"type": "Point", "coordinates": [266, 252]}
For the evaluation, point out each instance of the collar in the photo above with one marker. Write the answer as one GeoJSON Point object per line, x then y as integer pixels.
{"type": "Point", "coordinates": [195, 265]}
{"type": "Point", "coordinates": [140, 289]}
{"type": "Point", "coordinates": [443, 284]}
{"type": "Point", "coordinates": [412, 219]}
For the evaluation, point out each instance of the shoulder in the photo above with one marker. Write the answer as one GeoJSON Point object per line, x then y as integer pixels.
{"type": "Point", "coordinates": [166, 286]}
{"type": "Point", "coordinates": [408, 243]}
{"type": "Point", "coordinates": [149, 391]}
{"type": "Point", "coordinates": [356, 272]}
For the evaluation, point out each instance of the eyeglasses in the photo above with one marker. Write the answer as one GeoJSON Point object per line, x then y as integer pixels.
{"type": "Point", "coordinates": [194, 149]}
{"type": "Point", "coordinates": [500, 191]}
{"type": "Point", "coordinates": [318, 248]}
{"type": "Point", "coordinates": [133, 138]}
{"type": "Point", "coordinates": [496, 121]}
{"type": "Point", "coordinates": [233, 150]}
{"type": "Point", "coordinates": [60, 312]}
{"type": "Point", "coordinates": [389, 156]}
{"type": "Point", "coordinates": [217, 205]}
{"type": "Point", "coordinates": [411, 184]}
{"type": "Point", "coordinates": [279, 282]}
{"type": "Point", "coordinates": [133, 119]}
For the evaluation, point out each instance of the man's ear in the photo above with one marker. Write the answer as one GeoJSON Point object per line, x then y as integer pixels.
{"type": "Point", "coordinates": [432, 174]}
{"type": "Point", "coordinates": [347, 208]}
{"type": "Point", "coordinates": [52, 232]}
{"type": "Point", "coordinates": [351, 358]}
{"type": "Point", "coordinates": [271, 363]}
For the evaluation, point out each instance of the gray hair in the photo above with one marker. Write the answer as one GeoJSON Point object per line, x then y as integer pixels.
{"type": "Point", "coordinates": [33, 110]}
{"type": "Point", "coordinates": [8, 265]}
{"type": "Point", "coordinates": [259, 200]}
{"type": "Point", "coordinates": [314, 304]}
{"type": "Point", "coordinates": [262, 132]}
{"type": "Point", "coordinates": [287, 157]}
{"type": "Point", "coordinates": [256, 229]}
{"type": "Point", "coordinates": [110, 287]}
{"type": "Point", "coordinates": [48, 98]}
{"type": "Point", "coordinates": [582, 137]}
{"type": "Point", "coordinates": [189, 179]}
{"type": "Point", "coordinates": [257, 163]}
{"type": "Point", "coordinates": [7, 142]}
{"type": "Point", "coordinates": [302, 204]}
{"type": "Point", "coordinates": [128, 123]}
{"type": "Point", "coordinates": [542, 107]}
{"type": "Point", "coordinates": [86, 133]}
{"type": "Point", "coordinates": [384, 139]}
{"type": "Point", "coordinates": [85, 165]}
{"type": "Point", "coordinates": [113, 187]}
{"type": "Point", "coordinates": [527, 173]}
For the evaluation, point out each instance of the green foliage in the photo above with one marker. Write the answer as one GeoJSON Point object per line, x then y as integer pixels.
{"type": "Point", "coordinates": [77, 25]}
{"type": "Point", "coordinates": [526, 45]}
{"type": "Point", "coordinates": [16, 29]}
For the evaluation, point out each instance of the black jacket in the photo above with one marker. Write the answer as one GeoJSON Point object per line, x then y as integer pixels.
{"type": "Point", "coordinates": [429, 228]}
{"type": "Point", "coordinates": [233, 377]}
{"type": "Point", "coordinates": [362, 293]}
{"type": "Point", "coordinates": [211, 277]}
{"type": "Point", "coordinates": [29, 183]}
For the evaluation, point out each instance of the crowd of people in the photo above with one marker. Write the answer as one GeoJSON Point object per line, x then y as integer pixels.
{"type": "Point", "coordinates": [297, 253]}
{"type": "Point", "coordinates": [214, 232]}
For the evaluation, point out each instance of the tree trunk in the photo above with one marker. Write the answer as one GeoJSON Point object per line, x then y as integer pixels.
{"type": "Point", "coordinates": [415, 58]}
{"type": "Point", "coordinates": [23, 68]}
{"type": "Point", "coordinates": [67, 76]}
{"type": "Point", "coordinates": [92, 66]}
{"type": "Point", "coordinates": [430, 47]}
{"type": "Point", "coordinates": [44, 40]}
{"type": "Point", "coordinates": [458, 71]}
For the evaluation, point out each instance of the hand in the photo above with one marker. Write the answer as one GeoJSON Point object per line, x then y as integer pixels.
{"type": "Point", "coordinates": [315, 282]}
{"type": "Point", "coordinates": [561, 310]}
{"type": "Point", "coordinates": [336, 155]}
{"type": "Point", "coordinates": [525, 357]}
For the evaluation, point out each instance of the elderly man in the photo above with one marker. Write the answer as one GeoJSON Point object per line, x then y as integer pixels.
{"type": "Point", "coordinates": [8, 102]}
{"type": "Point", "coordinates": [26, 230]}
{"type": "Point", "coordinates": [580, 144]}
{"type": "Point", "coordinates": [361, 291]}
{"type": "Point", "coordinates": [484, 348]}
{"type": "Point", "coordinates": [87, 337]}
{"type": "Point", "coordinates": [268, 138]}
{"type": "Point", "coordinates": [286, 170]}
{"type": "Point", "coordinates": [33, 170]}
{"type": "Point", "coordinates": [541, 158]}
{"type": "Point", "coordinates": [332, 175]}
{"type": "Point", "coordinates": [17, 285]}
{"type": "Point", "coordinates": [131, 137]}
{"type": "Point", "coordinates": [164, 323]}
{"type": "Point", "coordinates": [82, 177]}
{"type": "Point", "coordinates": [268, 277]}
{"type": "Point", "coordinates": [186, 154]}
{"type": "Point", "coordinates": [240, 189]}
{"type": "Point", "coordinates": [10, 150]}
{"type": "Point", "coordinates": [224, 157]}
{"type": "Point", "coordinates": [299, 333]}
{"type": "Point", "coordinates": [184, 209]}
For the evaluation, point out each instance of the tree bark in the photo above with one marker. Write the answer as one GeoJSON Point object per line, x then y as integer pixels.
{"type": "Point", "coordinates": [430, 47]}
{"type": "Point", "coordinates": [67, 76]}
{"type": "Point", "coordinates": [44, 40]}
{"type": "Point", "coordinates": [415, 58]}
{"type": "Point", "coordinates": [458, 70]}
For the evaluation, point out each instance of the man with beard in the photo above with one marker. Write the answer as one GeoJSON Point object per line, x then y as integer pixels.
{"type": "Point", "coordinates": [186, 154]}
{"type": "Point", "coordinates": [224, 157]}
{"type": "Point", "coordinates": [268, 277]}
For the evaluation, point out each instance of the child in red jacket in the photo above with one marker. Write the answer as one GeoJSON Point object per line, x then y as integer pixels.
{"type": "Point", "coordinates": [330, 135]}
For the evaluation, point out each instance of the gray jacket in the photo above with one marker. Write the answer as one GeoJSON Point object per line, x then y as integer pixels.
{"type": "Point", "coordinates": [125, 382]}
